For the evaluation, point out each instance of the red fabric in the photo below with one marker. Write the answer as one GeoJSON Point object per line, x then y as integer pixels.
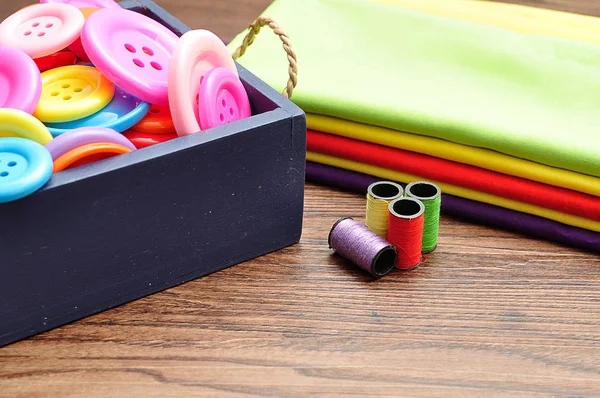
{"type": "Point", "coordinates": [458, 174]}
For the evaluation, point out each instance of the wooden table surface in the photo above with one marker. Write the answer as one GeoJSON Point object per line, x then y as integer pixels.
{"type": "Point", "coordinates": [491, 313]}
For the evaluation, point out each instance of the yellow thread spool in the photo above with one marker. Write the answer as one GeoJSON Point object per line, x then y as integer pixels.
{"type": "Point", "coordinates": [379, 196]}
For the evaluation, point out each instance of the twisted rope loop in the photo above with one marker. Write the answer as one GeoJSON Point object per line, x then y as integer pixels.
{"type": "Point", "coordinates": [287, 46]}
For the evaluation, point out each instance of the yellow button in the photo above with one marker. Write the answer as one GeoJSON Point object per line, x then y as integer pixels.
{"type": "Point", "coordinates": [72, 92]}
{"type": "Point", "coordinates": [16, 123]}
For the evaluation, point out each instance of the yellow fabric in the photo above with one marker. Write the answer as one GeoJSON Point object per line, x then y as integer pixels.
{"type": "Point", "coordinates": [456, 191]}
{"type": "Point", "coordinates": [474, 156]}
{"type": "Point", "coordinates": [522, 19]}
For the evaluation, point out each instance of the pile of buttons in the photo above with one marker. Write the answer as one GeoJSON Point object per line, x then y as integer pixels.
{"type": "Point", "coordinates": [85, 80]}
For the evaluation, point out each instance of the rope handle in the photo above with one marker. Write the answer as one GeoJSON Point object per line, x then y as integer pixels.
{"type": "Point", "coordinates": [287, 46]}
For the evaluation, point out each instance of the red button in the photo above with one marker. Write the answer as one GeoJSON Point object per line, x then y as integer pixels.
{"type": "Point", "coordinates": [56, 60]}
{"type": "Point", "coordinates": [143, 140]}
{"type": "Point", "coordinates": [77, 46]}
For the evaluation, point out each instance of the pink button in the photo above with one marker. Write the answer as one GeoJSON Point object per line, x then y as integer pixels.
{"type": "Point", "coordinates": [222, 99]}
{"type": "Point", "coordinates": [131, 50]}
{"type": "Point", "coordinates": [20, 80]}
{"type": "Point", "coordinates": [197, 52]}
{"type": "Point", "coordinates": [41, 29]}
{"type": "Point", "coordinates": [86, 3]}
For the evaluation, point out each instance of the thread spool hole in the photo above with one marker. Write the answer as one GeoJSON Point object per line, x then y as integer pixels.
{"type": "Point", "coordinates": [406, 208]}
{"type": "Point", "coordinates": [385, 261]}
{"type": "Point", "coordinates": [423, 190]}
{"type": "Point", "coordinates": [4, 174]}
{"type": "Point", "coordinates": [385, 190]}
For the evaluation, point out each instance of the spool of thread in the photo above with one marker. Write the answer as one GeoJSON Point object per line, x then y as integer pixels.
{"type": "Point", "coordinates": [431, 196]}
{"type": "Point", "coordinates": [379, 196]}
{"type": "Point", "coordinates": [406, 231]}
{"type": "Point", "coordinates": [357, 243]}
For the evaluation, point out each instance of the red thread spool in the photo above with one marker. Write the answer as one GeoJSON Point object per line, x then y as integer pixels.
{"type": "Point", "coordinates": [405, 231]}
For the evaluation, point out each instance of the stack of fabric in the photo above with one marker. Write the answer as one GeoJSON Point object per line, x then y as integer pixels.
{"type": "Point", "coordinates": [497, 104]}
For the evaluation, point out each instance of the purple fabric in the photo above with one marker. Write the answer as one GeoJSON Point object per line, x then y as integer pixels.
{"type": "Point", "coordinates": [468, 209]}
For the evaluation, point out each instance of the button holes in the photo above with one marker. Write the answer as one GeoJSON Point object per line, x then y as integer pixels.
{"type": "Point", "coordinates": [138, 63]}
{"type": "Point", "coordinates": [155, 110]}
{"type": "Point", "coordinates": [12, 164]}
{"type": "Point", "coordinates": [78, 90]}
{"type": "Point", "coordinates": [156, 65]}
{"type": "Point", "coordinates": [27, 33]}
{"type": "Point", "coordinates": [231, 111]}
{"type": "Point", "coordinates": [223, 103]}
{"type": "Point", "coordinates": [54, 94]}
{"type": "Point", "coordinates": [66, 85]}
{"type": "Point", "coordinates": [67, 97]}
{"type": "Point", "coordinates": [197, 98]}
{"type": "Point", "coordinates": [130, 48]}
{"type": "Point", "coordinates": [4, 174]}
{"type": "Point", "coordinates": [41, 34]}
{"type": "Point", "coordinates": [35, 25]}
{"type": "Point", "coordinates": [49, 25]}
{"type": "Point", "coordinates": [148, 51]}
{"type": "Point", "coordinates": [222, 117]}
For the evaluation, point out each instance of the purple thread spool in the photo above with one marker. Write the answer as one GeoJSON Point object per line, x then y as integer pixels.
{"type": "Point", "coordinates": [357, 243]}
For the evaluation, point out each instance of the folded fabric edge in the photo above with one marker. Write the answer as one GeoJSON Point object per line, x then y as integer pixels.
{"type": "Point", "coordinates": [478, 212]}
{"type": "Point", "coordinates": [457, 191]}
{"type": "Point", "coordinates": [466, 176]}
{"type": "Point", "coordinates": [474, 156]}
{"type": "Point", "coordinates": [517, 17]}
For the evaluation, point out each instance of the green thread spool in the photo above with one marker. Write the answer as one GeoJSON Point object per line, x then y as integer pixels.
{"type": "Point", "coordinates": [379, 196]}
{"type": "Point", "coordinates": [431, 197]}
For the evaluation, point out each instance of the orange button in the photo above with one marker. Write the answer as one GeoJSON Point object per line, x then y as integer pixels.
{"type": "Point", "coordinates": [157, 121]}
{"type": "Point", "coordinates": [86, 154]}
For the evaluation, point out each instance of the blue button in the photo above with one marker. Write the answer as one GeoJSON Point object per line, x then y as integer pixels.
{"type": "Point", "coordinates": [122, 113]}
{"type": "Point", "coordinates": [25, 167]}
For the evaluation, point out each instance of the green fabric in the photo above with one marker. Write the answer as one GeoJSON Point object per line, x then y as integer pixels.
{"type": "Point", "coordinates": [525, 95]}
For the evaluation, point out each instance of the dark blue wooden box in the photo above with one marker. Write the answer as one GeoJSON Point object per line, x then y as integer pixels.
{"type": "Point", "coordinates": [126, 227]}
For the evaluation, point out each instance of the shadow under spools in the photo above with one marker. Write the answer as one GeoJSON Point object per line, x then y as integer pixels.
{"type": "Point", "coordinates": [431, 196]}
{"type": "Point", "coordinates": [357, 243]}
{"type": "Point", "coordinates": [405, 231]}
{"type": "Point", "coordinates": [379, 196]}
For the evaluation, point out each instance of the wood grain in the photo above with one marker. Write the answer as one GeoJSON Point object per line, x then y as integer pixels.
{"type": "Point", "coordinates": [491, 313]}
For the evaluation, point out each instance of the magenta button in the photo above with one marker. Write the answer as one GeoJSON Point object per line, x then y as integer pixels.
{"type": "Point", "coordinates": [20, 81]}
{"type": "Point", "coordinates": [131, 50]}
{"type": "Point", "coordinates": [222, 99]}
